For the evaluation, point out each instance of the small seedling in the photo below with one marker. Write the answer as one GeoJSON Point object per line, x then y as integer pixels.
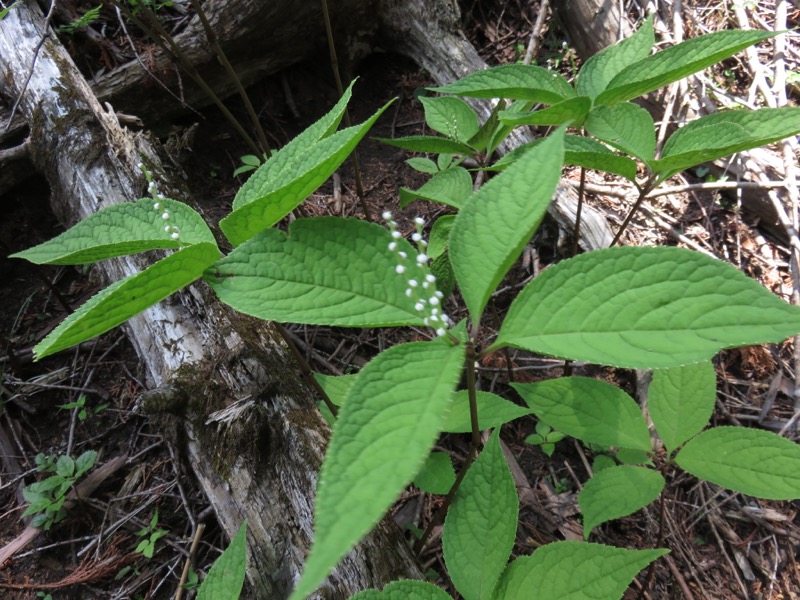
{"type": "Point", "coordinates": [83, 410]}
{"type": "Point", "coordinates": [46, 498]}
{"type": "Point", "coordinates": [545, 437]}
{"type": "Point", "coordinates": [151, 535]}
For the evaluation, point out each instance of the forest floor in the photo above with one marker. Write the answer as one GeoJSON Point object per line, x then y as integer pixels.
{"type": "Point", "coordinates": [724, 545]}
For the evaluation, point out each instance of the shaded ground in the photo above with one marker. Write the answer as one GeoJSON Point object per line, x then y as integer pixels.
{"type": "Point", "coordinates": [724, 545]}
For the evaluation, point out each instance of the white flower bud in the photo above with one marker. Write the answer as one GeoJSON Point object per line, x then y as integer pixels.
{"type": "Point", "coordinates": [441, 331]}
{"type": "Point", "coordinates": [165, 216]}
{"type": "Point", "coordinates": [434, 301]}
{"type": "Point", "coordinates": [422, 258]}
{"type": "Point", "coordinates": [400, 269]}
{"type": "Point", "coordinates": [167, 228]}
{"type": "Point", "coordinates": [416, 237]}
{"type": "Point", "coordinates": [402, 254]}
{"type": "Point", "coordinates": [412, 283]}
{"type": "Point", "coordinates": [157, 205]}
{"type": "Point", "coordinates": [439, 294]}
{"type": "Point", "coordinates": [175, 235]}
{"type": "Point", "coordinates": [396, 235]}
{"type": "Point", "coordinates": [387, 216]}
{"type": "Point", "coordinates": [430, 278]}
{"type": "Point", "coordinates": [426, 284]}
{"type": "Point", "coordinates": [419, 221]}
{"type": "Point", "coordinates": [409, 292]}
{"type": "Point", "coordinates": [392, 246]}
{"type": "Point", "coordinates": [419, 306]}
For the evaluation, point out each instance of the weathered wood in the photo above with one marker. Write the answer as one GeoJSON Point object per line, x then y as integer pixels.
{"type": "Point", "coordinates": [261, 462]}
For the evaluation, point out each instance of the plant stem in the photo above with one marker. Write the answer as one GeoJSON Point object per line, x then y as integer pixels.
{"type": "Point", "coordinates": [308, 374]}
{"type": "Point", "coordinates": [340, 89]}
{"type": "Point", "coordinates": [643, 191]}
{"type": "Point", "coordinates": [651, 572]}
{"type": "Point", "coordinates": [471, 456]}
{"type": "Point", "coordinates": [576, 235]}
{"type": "Point", "coordinates": [212, 39]}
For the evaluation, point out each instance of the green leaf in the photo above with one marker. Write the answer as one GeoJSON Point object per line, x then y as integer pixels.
{"type": "Point", "coordinates": [681, 401]}
{"type": "Point", "coordinates": [586, 152]}
{"type": "Point", "coordinates": [226, 577]}
{"type": "Point", "coordinates": [423, 165]}
{"type": "Point", "coordinates": [65, 466]}
{"type": "Point", "coordinates": [85, 462]}
{"type": "Point", "coordinates": [625, 126]}
{"type": "Point", "coordinates": [336, 387]}
{"type": "Point", "coordinates": [600, 69]}
{"type": "Point", "coordinates": [751, 461]}
{"type": "Point", "coordinates": [405, 590]}
{"type": "Point", "coordinates": [328, 271]}
{"type": "Point", "coordinates": [450, 117]}
{"type": "Point", "coordinates": [451, 187]}
{"type": "Point", "coordinates": [725, 133]}
{"type": "Point", "coordinates": [126, 298]}
{"type": "Point", "coordinates": [428, 143]}
{"type": "Point", "coordinates": [121, 229]}
{"type": "Point", "coordinates": [574, 571]}
{"type": "Point", "coordinates": [277, 170]}
{"type": "Point", "coordinates": [617, 492]}
{"type": "Point", "coordinates": [588, 409]}
{"type": "Point", "coordinates": [273, 201]}
{"type": "Point", "coordinates": [570, 112]}
{"type": "Point", "coordinates": [384, 432]}
{"type": "Point", "coordinates": [481, 524]}
{"type": "Point", "coordinates": [497, 221]}
{"type": "Point", "coordinates": [677, 62]}
{"type": "Point", "coordinates": [437, 475]}
{"type": "Point", "coordinates": [443, 271]}
{"type": "Point", "coordinates": [644, 308]}
{"type": "Point", "coordinates": [518, 82]}
{"type": "Point", "coordinates": [493, 411]}
{"type": "Point", "coordinates": [440, 235]}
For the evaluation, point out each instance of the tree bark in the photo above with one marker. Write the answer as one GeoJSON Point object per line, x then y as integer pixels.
{"type": "Point", "coordinates": [258, 458]}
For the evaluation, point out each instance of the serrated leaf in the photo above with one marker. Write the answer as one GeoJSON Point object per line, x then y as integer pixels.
{"type": "Point", "coordinates": [574, 571]}
{"type": "Point", "coordinates": [386, 428]}
{"type": "Point", "coordinates": [677, 62]}
{"type": "Point", "coordinates": [588, 409]}
{"type": "Point", "coordinates": [226, 576]}
{"type": "Point", "coordinates": [751, 461]}
{"type": "Point", "coordinates": [585, 152]}
{"type": "Point", "coordinates": [270, 203]}
{"type": "Point", "coordinates": [617, 492]}
{"type": "Point", "coordinates": [428, 143]}
{"type": "Point", "coordinates": [625, 126]}
{"type": "Point", "coordinates": [440, 235]}
{"type": "Point", "coordinates": [518, 82]}
{"type": "Point", "coordinates": [644, 308]}
{"type": "Point", "coordinates": [336, 387]}
{"type": "Point", "coordinates": [450, 117]}
{"type": "Point", "coordinates": [423, 165]}
{"type": "Point", "coordinates": [493, 411]}
{"type": "Point", "coordinates": [328, 271]}
{"type": "Point", "coordinates": [570, 112]}
{"type": "Point", "coordinates": [497, 221]}
{"type": "Point", "coordinates": [405, 590]}
{"type": "Point", "coordinates": [631, 456]}
{"type": "Point", "coordinates": [443, 271]}
{"type": "Point", "coordinates": [681, 401]}
{"type": "Point", "coordinates": [121, 229]}
{"type": "Point", "coordinates": [600, 69]}
{"type": "Point", "coordinates": [481, 524]}
{"type": "Point", "coordinates": [725, 133]}
{"type": "Point", "coordinates": [277, 170]}
{"type": "Point", "coordinates": [437, 475]}
{"type": "Point", "coordinates": [451, 187]}
{"type": "Point", "coordinates": [126, 298]}
{"type": "Point", "coordinates": [65, 466]}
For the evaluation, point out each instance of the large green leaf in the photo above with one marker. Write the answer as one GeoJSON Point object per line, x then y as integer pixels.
{"type": "Point", "coordinates": [451, 187]}
{"type": "Point", "coordinates": [681, 400]}
{"type": "Point", "coordinates": [335, 387]}
{"type": "Point", "coordinates": [617, 492]}
{"type": "Point", "coordinates": [299, 178]}
{"type": "Point", "coordinates": [328, 271]}
{"type": "Point", "coordinates": [600, 69]}
{"type": "Point", "coordinates": [226, 577]}
{"type": "Point", "coordinates": [124, 228]}
{"type": "Point", "coordinates": [493, 411]}
{"type": "Point", "coordinates": [574, 571]}
{"type": "Point", "coordinates": [677, 62]}
{"type": "Point", "coordinates": [752, 461]}
{"type": "Point", "coordinates": [481, 524]}
{"type": "Point", "coordinates": [384, 431]}
{"type": "Point", "coordinates": [126, 298]}
{"type": "Point", "coordinates": [517, 82]}
{"type": "Point", "coordinates": [588, 409]}
{"type": "Point", "coordinates": [497, 221]}
{"type": "Point", "coordinates": [724, 133]}
{"type": "Point", "coordinates": [405, 590]}
{"type": "Point", "coordinates": [625, 126]}
{"type": "Point", "coordinates": [570, 112]}
{"type": "Point", "coordinates": [437, 475]}
{"type": "Point", "coordinates": [278, 171]}
{"type": "Point", "coordinates": [586, 152]}
{"type": "Point", "coordinates": [644, 308]}
{"type": "Point", "coordinates": [428, 143]}
{"type": "Point", "coordinates": [450, 117]}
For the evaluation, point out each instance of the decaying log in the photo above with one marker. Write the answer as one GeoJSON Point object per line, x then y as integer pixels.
{"type": "Point", "coordinates": [259, 459]}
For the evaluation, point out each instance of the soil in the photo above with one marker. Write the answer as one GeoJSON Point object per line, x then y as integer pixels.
{"type": "Point", "coordinates": [723, 544]}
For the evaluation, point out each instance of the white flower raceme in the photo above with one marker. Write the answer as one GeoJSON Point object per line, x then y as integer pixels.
{"type": "Point", "coordinates": [421, 282]}
{"type": "Point", "coordinates": [152, 189]}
